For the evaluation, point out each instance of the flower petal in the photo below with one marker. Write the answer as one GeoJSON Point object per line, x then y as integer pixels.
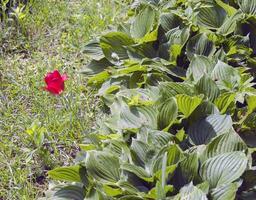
{"type": "Point", "coordinates": [64, 77]}
{"type": "Point", "coordinates": [55, 82]}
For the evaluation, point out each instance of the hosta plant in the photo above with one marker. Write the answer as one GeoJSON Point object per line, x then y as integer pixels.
{"type": "Point", "coordinates": [178, 81]}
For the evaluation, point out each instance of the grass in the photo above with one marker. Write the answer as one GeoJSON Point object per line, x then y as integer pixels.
{"type": "Point", "coordinates": [51, 36]}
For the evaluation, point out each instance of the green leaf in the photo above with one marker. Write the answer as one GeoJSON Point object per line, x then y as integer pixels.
{"type": "Point", "coordinates": [248, 6]}
{"type": "Point", "coordinates": [224, 143]}
{"type": "Point", "coordinates": [112, 191]}
{"type": "Point", "coordinates": [174, 155]}
{"type": "Point", "coordinates": [140, 51]}
{"type": "Point", "coordinates": [71, 174]}
{"type": "Point", "coordinates": [125, 117]}
{"type": "Point", "coordinates": [159, 138]}
{"type": "Point", "coordinates": [154, 194]}
{"type": "Point", "coordinates": [138, 171]}
{"type": "Point", "coordinates": [187, 104]}
{"type": "Point", "coordinates": [97, 164]}
{"type": "Point", "coordinates": [251, 101]}
{"type": "Point", "coordinates": [67, 192]}
{"type": "Point", "coordinates": [143, 152]}
{"type": "Point", "coordinates": [189, 166]}
{"type": "Point", "coordinates": [202, 131]}
{"type": "Point", "coordinates": [211, 17]}
{"type": "Point", "coordinates": [169, 21]}
{"type": "Point", "coordinates": [199, 66]}
{"type": "Point", "coordinates": [114, 44]}
{"type": "Point", "coordinates": [168, 112]}
{"type": "Point", "coordinates": [224, 101]}
{"type": "Point", "coordinates": [143, 23]}
{"type": "Point", "coordinates": [177, 36]}
{"type": "Point", "coordinates": [149, 37]}
{"type": "Point", "coordinates": [205, 109]}
{"type": "Point", "coordinates": [190, 192]}
{"type": "Point", "coordinates": [93, 50]}
{"type": "Point", "coordinates": [227, 191]}
{"type": "Point", "coordinates": [175, 51]}
{"type": "Point", "coordinates": [99, 78]}
{"type": "Point", "coordinates": [230, 24]}
{"type": "Point", "coordinates": [229, 9]}
{"type": "Point", "coordinates": [96, 66]}
{"type": "Point", "coordinates": [128, 187]}
{"type": "Point", "coordinates": [130, 197]}
{"type": "Point", "coordinates": [171, 89]}
{"type": "Point", "coordinates": [207, 87]}
{"type": "Point", "coordinates": [131, 69]}
{"type": "Point", "coordinates": [225, 72]}
{"type": "Point", "coordinates": [224, 168]}
{"type": "Point", "coordinates": [200, 45]}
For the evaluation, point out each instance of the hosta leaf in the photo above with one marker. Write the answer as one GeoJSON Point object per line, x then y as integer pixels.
{"type": "Point", "coordinates": [175, 51]}
{"type": "Point", "coordinates": [171, 89]}
{"type": "Point", "coordinates": [202, 131]}
{"type": "Point", "coordinates": [174, 155]}
{"type": "Point", "coordinates": [131, 69]}
{"type": "Point", "coordinates": [110, 84]}
{"type": "Point", "coordinates": [148, 116]}
{"type": "Point", "coordinates": [205, 109]}
{"type": "Point", "coordinates": [168, 112]}
{"type": "Point", "coordinates": [149, 37]}
{"type": "Point", "coordinates": [225, 72]}
{"type": "Point", "coordinates": [159, 138]}
{"type": "Point", "coordinates": [126, 186]}
{"type": "Point", "coordinates": [71, 174]}
{"type": "Point", "coordinates": [211, 17]}
{"type": "Point", "coordinates": [96, 66]}
{"type": "Point", "coordinates": [248, 6]}
{"type": "Point", "coordinates": [169, 21]}
{"type": "Point", "coordinates": [149, 94]}
{"type": "Point", "coordinates": [130, 197]}
{"type": "Point", "coordinates": [187, 104]}
{"type": "Point", "coordinates": [224, 168]}
{"type": "Point", "coordinates": [166, 161]}
{"type": "Point", "coordinates": [199, 66]}
{"type": "Point", "coordinates": [200, 45]}
{"type": "Point", "coordinates": [190, 192]}
{"type": "Point", "coordinates": [204, 186]}
{"type": "Point", "coordinates": [168, 170]}
{"type": "Point", "coordinates": [227, 191]}
{"type": "Point", "coordinates": [140, 51]}
{"type": "Point", "coordinates": [143, 23]}
{"type": "Point", "coordinates": [99, 78]}
{"type": "Point", "coordinates": [93, 50]}
{"type": "Point", "coordinates": [143, 152]}
{"type": "Point", "coordinates": [251, 101]}
{"type": "Point", "coordinates": [125, 117]}
{"type": "Point", "coordinates": [113, 46]}
{"type": "Point", "coordinates": [178, 36]}
{"type": "Point", "coordinates": [97, 164]}
{"type": "Point", "coordinates": [138, 171]}
{"type": "Point", "coordinates": [112, 191]}
{"type": "Point", "coordinates": [207, 87]}
{"type": "Point", "coordinates": [229, 9]}
{"type": "Point", "coordinates": [74, 192]}
{"type": "Point", "coordinates": [189, 166]}
{"type": "Point", "coordinates": [225, 143]}
{"type": "Point", "coordinates": [230, 24]}
{"type": "Point", "coordinates": [94, 194]}
{"type": "Point", "coordinates": [224, 101]}
{"type": "Point", "coordinates": [153, 192]}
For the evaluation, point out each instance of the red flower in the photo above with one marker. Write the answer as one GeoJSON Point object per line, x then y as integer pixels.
{"type": "Point", "coordinates": [55, 82]}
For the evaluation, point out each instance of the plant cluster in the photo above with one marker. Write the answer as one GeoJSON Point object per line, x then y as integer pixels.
{"type": "Point", "coordinates": [177, 79]}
